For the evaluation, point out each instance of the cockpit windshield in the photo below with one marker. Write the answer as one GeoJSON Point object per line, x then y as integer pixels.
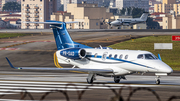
{"type": "Point", "coordinates": [147, 56]}
{"type": "Point", "coordinates": [140, 56]}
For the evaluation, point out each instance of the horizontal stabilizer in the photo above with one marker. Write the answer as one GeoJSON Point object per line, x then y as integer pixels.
{"type": "Point", "coordinates": [63, 69]}
{"type": "Point", "coordinates": [72, 22]}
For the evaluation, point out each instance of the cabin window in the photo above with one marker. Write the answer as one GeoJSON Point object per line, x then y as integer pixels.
{"type": "Point", "coordinates": [115, 56]}
{"type": "Point", "coordinates": [95, 55]}
{"type": "Point", "coordinates": [126, 57]}
{"type": "Point", "coordinates": [120, 57]}
{"type": "Point", "coordinates": [140, 56]}
{"type": "Point", "coordinates": [110, 56]}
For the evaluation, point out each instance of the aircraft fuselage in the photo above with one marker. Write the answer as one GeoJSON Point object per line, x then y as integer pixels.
{"type": "Point", "coordinates": [122, 62]}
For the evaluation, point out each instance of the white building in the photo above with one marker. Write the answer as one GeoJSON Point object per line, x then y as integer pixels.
{"type": "Point", "coordinates": [144, 4]}
{"type": "Point", "coordinates": [36, 11]}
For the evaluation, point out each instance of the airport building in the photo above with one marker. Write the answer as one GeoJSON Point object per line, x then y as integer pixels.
{"type": "Point", "coordinates": [36, 11]}
{"type": "Point", "coordinates": [89, 16]}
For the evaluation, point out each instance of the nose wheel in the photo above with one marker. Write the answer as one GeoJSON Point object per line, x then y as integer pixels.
{"type": "Point", "coordinates": [158, 80]}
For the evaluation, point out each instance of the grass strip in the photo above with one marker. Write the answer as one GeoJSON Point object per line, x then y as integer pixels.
{"type": "Point", "coordinates": [7, 35]}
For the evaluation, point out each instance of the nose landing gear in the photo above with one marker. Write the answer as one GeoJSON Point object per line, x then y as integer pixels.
{"type": "Point", "coordinates": [157, 80]}
{"type": "Point", "coordinates": [91, 78]}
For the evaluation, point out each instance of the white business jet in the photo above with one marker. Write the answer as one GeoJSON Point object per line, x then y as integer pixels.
{"type": "Point", "coordinates": [129, 21]}
{"type": "Point", "coordinates": [101, 61]}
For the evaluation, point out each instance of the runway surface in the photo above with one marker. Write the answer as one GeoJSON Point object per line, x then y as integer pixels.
{"type": "Point", "coordinates": [13, 83]}
{"type": "Point", "coordinates": [38, 50]}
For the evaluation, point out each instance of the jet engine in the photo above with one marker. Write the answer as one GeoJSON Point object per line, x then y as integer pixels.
{"type": "Point", "coordinates": [73, 53]}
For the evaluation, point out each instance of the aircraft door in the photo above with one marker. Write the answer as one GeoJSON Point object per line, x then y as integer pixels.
{"type": "Point", "coordinates": [104, 56]}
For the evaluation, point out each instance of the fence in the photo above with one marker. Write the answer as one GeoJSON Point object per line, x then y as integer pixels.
{"type": "Point", "coordinates": [118, 97]}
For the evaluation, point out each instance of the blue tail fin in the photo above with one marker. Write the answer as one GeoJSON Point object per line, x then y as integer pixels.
{"type": "Point", "coordinates": [62, 37]}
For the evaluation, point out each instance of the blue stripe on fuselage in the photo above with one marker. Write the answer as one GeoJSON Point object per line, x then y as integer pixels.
{"type": "Point", "coordinates": [92, 56]}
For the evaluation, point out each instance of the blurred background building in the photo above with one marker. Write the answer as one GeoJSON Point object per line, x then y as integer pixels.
{"type": "Point", "coordinates": [36, 11]}
{"type": "Point", "coordinates": [89, 16]}
{"type": "Point", "coordinates": [144, 4]}
{"type": "Point", "coordinates": [169, 14]}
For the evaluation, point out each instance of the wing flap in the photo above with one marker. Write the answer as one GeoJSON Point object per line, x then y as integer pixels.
{"type": "Point", "coordinates": [63, 69]}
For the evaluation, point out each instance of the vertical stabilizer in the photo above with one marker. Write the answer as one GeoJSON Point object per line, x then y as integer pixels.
{"type": "Point", "coordinates": [61, 35]}
{"type": "Point", "coordinates": [144, 16]}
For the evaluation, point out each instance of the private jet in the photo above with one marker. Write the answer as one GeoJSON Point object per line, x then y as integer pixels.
{"type": "Point", "coordinates": [102, 61]}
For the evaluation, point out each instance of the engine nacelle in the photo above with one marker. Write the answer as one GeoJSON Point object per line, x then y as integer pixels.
{"type": "Point", "coordinates": [73, 53]}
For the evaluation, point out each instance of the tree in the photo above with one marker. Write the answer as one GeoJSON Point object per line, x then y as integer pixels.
{"type": "Point", "coordinates": [152, 24]}
{"type": "Point", "coordinates": [123, 10]}
{"type": "Point", "coordinates": [137, 12]}
{"type": "Point", "coordinates": [11, 6]}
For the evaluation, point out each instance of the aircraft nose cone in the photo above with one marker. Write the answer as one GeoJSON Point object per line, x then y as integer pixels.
{"type": "Point", "coordinates": [163, 67]}
{"type": "Point", "coordinates": [113, 23]}
{"type": "Point", "coordinates": [167, 69]}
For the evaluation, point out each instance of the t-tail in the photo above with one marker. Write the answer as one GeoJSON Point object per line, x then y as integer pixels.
{"type": "Point", "coordinates": [144, 16]}
{"type": "Point", "coordinates": [61, 35]}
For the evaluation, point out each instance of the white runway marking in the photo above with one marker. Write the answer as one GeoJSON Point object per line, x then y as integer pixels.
{"type": "Point", "coordinates": [41, 82]}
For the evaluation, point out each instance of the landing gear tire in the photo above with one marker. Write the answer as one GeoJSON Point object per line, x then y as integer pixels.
{"type": "Point", "coordinates": [117, 79]}
{"type": "Point", "coordinates": [157, 81]}
{"type": "Point", "coordinates": [90, 82]}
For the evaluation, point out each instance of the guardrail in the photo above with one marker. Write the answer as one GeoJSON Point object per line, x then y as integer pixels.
{"type": "Point", "coordinates": [117, 92]}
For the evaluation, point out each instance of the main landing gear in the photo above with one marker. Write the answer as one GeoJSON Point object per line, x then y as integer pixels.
{"type": "Point", "coordinates": [118, 78]}
{"type": "Point", "coordinates": [157, 80]}
{"type": "Point", "coordinates": [91, 78]}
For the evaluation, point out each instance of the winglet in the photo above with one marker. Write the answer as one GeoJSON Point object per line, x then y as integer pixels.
{"type": "Point", "coordinates": [11, 64]}
{"type": "Point", "coordinates": [159, 57]}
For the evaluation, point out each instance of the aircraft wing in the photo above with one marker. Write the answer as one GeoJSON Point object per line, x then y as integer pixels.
{"type": "Point", "coordinates": [63, 69]}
